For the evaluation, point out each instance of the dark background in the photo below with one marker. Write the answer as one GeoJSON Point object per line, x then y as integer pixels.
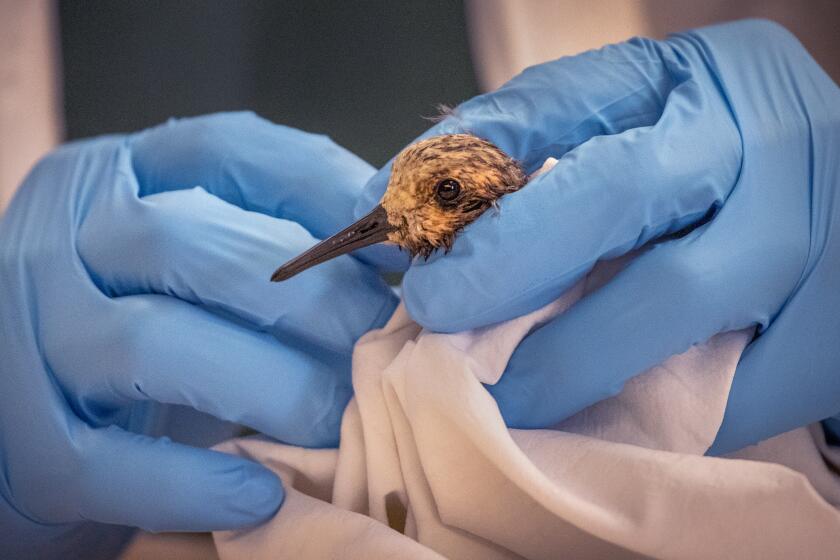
{"type": "Point", "coordinates": [364, 72]}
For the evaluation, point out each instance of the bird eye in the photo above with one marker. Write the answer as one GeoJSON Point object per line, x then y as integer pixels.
{"type": "Point", "coordinates": [448, 190]}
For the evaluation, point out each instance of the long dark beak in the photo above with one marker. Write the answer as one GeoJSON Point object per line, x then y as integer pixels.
{"type": "Point", "coordinates": [373, 228]}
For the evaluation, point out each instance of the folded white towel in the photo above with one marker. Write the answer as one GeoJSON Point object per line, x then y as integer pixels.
{"type": "Point", "coordinates": [427, 468]}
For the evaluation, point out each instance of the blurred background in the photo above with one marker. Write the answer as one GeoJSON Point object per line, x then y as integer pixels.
{"type": "Point", "coordinates": [365, 72]}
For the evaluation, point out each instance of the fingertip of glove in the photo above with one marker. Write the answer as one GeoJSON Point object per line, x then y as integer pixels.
{"type": "Point", "coordinates": [441, 315]}
{"type": "Point", "coordinates": [373, 190]}
{"type": "Point", "coordinates": [255, 495]}
{"type": "Point", "coordinates": [385, 258]}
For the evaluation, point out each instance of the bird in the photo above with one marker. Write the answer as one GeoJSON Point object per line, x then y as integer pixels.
{"type": "Point", "coordinates": [437, 187]}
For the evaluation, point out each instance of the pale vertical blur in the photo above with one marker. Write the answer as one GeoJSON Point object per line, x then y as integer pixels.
{"type": "Point", "coordinates": [30, 122]}
{"type": "Point", "coordinates": [507, 36]}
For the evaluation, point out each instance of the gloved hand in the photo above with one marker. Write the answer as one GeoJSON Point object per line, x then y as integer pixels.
{"type": "Point", "coordinates": [135, 269]}
{"type": "Point", "coordinates": [734, 119]}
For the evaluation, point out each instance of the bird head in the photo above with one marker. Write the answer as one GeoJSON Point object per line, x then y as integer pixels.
{"type": "Point", "coordinates": [440, 185]}
{"type": "Point", "coordinates": [437, 187]}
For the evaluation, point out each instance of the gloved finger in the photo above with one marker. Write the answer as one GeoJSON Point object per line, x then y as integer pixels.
{"type": "Point", "coordinates": [201, 249]}
{"type": "Point", "coordinates": [162, 349]}
{"type": "Point", "coordinates": [678, 294]}
{"type": "Point", "coordinates": [608, 196]}
{"type": "Point", "coordinates": [549, 109]}
{"type": "Point", "coordinates": [775, 390]}
{"type": "Point", "coordinates": [158, 485]}
{"type": "Point", "coordinates": [255, 164]}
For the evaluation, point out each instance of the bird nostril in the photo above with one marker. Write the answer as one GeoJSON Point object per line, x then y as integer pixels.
{"type": "Point", "coordinates": [368, 227]}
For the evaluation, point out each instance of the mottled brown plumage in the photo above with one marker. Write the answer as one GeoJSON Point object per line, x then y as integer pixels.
{"type": "Point", "coordinates": [437, 187]}
{"type": "Point", "coordinates": [423, 220]}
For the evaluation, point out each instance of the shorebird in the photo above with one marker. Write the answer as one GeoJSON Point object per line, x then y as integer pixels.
{"type": "Point", "coordinates": [437, 187]}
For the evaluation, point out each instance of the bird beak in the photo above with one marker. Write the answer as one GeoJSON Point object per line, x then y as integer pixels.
{"type": "Point", "coordinates": [373, 228]}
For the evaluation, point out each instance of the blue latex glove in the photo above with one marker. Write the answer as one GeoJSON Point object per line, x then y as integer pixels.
{"type": "Point", "coordinates": [736, 118]}
{"type": "Point", "coordinates": [99, 238]}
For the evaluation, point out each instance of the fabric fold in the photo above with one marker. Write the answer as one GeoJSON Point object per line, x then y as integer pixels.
{"type": "Point", "coordinates": [427, 468]}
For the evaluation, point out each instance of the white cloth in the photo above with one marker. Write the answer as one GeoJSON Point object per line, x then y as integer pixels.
{"type": "Point", "coordinates": [427, 468]}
